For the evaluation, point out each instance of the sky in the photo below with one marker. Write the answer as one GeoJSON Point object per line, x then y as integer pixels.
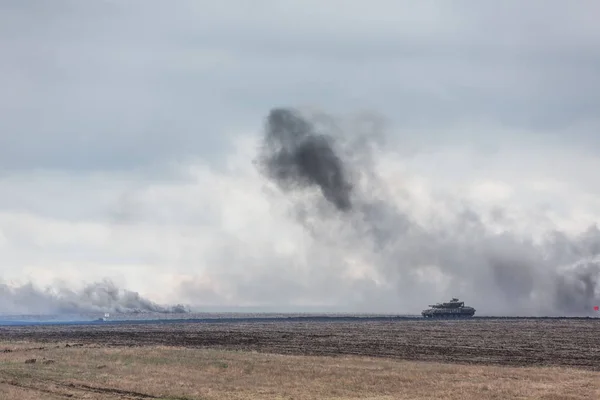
{"type": "Point", "coordinates": [130, 131]}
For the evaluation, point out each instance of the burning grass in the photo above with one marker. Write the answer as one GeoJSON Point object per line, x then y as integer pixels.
{"type": "Point", "coordinates": [101, 372]}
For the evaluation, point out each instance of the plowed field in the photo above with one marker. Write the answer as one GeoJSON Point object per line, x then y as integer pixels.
{"type": "Point", "coordinates": [522, 342]}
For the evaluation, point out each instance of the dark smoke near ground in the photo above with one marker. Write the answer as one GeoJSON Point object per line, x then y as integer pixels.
{"type": "Point", "coordinates": [329, 174]}
{"type": "Point", "coordinates": [102, 296]}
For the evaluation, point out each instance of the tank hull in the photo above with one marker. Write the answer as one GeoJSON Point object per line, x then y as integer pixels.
{"type": "Point", "coordinates": [452, 313]}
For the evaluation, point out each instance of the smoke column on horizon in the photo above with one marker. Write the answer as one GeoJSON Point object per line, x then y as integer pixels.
{"type": "Point", "coordinates": [508, 273]}
{"type": "Point", "coordinates": [102, 296]}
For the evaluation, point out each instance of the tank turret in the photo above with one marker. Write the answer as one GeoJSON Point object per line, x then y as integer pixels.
{"type": "Point", "coordinates": [452, 309]}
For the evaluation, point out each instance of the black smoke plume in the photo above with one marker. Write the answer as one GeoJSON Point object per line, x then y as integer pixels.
{"type": "Point", "coordinates": [502, 272]}
{"type": "Point", "coordinates": [295, 155]}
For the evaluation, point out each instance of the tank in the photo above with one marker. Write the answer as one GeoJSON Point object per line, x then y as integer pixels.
{"type": "Point", "coordinates": [452, 309]}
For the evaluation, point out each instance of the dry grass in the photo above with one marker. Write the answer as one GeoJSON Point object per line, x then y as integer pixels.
{"type": "Point", "coordinates": [177, 373]}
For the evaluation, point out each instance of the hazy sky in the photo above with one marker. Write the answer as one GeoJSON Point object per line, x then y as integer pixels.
{"type": "Point", "coordinates": [128, 131]}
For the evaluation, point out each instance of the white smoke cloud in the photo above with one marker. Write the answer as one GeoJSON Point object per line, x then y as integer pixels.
{"type": "Point", "coordinates": [102, 296]}
{"type": "Point", "coordinates": [228, 237]}
{"type": "Point", "coordinates": [516, 272]}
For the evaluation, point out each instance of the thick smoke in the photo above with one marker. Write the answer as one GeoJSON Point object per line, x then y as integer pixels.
{"type": "Point", "coordinates": [102, 296]}
{"type": "Point", "coordinates": [506, 273]}
{"type": "Point", "coordinates": [295, 155]}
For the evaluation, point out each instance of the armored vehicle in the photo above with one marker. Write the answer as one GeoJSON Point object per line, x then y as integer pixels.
{"type": "Point", "coordinates": [452, 309]}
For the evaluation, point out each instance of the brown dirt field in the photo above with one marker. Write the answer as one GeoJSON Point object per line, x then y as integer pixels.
{"type": "Point", "coordinates": [166, 372]}
{"type": "Point", "coordinates": [567, 343]}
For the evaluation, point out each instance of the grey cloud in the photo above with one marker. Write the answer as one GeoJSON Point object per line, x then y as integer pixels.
{"type": "Point", "coordinates": [119, 85]}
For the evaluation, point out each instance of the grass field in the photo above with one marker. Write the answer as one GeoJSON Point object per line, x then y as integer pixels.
{"type": "Point", "coordinates": [475, 359]}
{"type": "Point", "coordinates": [99, 372]}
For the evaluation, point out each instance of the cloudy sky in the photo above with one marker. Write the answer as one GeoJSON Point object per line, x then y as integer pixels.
{"type": "Point", "coordinates": [128, 132]}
